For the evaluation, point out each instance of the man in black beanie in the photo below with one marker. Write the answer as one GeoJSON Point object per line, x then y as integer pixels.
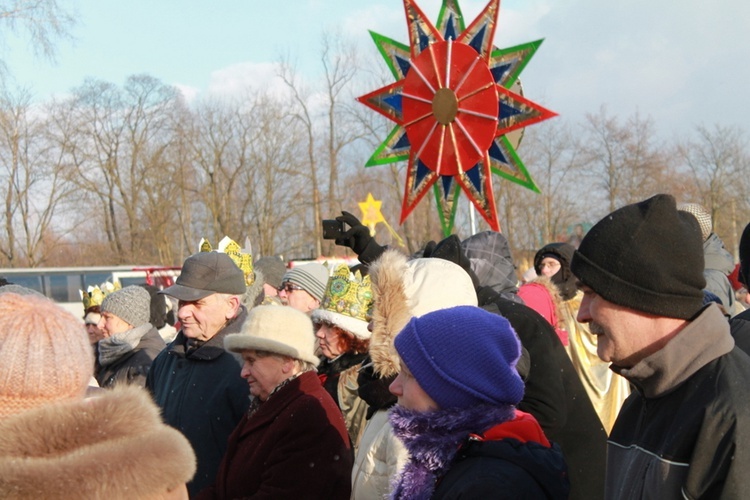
{"type": "Point", "coordinates": [685, 431]}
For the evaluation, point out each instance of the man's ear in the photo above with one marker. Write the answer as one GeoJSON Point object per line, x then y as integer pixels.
{"type": "Point", "coordinates": [234, 303]}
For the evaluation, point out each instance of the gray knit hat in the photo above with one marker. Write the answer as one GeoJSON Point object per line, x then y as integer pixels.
{"type": "Point", "coordinates": [273, 269]}
{"type": "Point", "coordinates": [313, 279]}
{"type": "Point", "coordinates": [132, 304]}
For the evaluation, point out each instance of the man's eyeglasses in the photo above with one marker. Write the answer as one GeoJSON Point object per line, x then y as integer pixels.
{"type": "Point", "coordinates": [289, 287]}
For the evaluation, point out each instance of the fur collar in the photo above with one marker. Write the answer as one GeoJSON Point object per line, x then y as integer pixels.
{"type": "Point", "coordinates": [433, 439]}
{"type": "Point", "coordinates": [112, 446]}
{"type": "Point", "coordinates": [391, 310]}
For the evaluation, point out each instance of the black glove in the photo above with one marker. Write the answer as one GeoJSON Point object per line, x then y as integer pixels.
{"type": "Point", "coordinates": [359, 239]}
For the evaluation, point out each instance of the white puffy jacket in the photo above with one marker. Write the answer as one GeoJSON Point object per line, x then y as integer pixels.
{"type": "Point", "coordinates": [379, 457]}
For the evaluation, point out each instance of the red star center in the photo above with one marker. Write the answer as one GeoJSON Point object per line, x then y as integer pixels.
{"type": "Point", "coordinates": [451, 107]}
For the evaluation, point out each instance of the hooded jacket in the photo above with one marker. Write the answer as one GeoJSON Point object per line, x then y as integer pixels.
{"type": "Point", "coordinates": [492, 262]}
{"type": "Point", "coordinates": [563, 279]}
{"type": "Point", "coordinates": [719, 264]}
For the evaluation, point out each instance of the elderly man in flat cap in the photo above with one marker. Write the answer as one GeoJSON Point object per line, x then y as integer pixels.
{"type": "Point", "coordinates": [194, 380]}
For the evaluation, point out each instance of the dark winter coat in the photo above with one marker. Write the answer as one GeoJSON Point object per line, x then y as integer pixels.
{"type": "Point", "coordinates": [557, 399]}
{"type": "Point", "coordinates": [202, 395]}
{"type": "Point", "coordinates": [133, 367]}
{"type": "Point", "coordinates": [685, 432]}
{"type": "Point", "coordinates": [507, 469]}
{"type": "Point", "coordinates": [452, 458]}
{"type": "Point", "coordinates": [339, 379]}
{"type": "Point", "coordinates": [740, 327]}
{"type": "Point", "coordinates": [294, 446]}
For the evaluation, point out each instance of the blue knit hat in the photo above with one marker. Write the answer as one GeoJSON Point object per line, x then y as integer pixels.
{"type": "Point", "coordinates": [463, 356]}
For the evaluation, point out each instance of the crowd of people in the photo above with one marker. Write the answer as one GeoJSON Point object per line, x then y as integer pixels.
{"type": "Point", "coordinates": [619, 371]}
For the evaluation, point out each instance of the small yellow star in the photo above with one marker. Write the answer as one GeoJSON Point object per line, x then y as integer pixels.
{"type": "Point", "coordinates": [371, 214]}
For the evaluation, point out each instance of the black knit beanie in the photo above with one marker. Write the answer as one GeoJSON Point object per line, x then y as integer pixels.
{"type": "Point", "coordinates": [563, 278]}
{"type": "Point", "coordinates": [745, 257]}
{"type": "Point", "coordinates": [647, 256]}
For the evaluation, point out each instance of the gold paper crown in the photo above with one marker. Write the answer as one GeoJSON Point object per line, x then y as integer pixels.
{"type": "Point", "coordinates": [349, 294]}
{"type": "Point", "coordinates": [94, 296]}
{"type": "Point", "coordinates": [244, 260]}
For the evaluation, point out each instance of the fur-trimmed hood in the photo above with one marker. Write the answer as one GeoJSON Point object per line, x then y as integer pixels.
{"type": "Point", "coordinates": [112, 446]}
{"type": "Point", "coordinates": [403, 288]}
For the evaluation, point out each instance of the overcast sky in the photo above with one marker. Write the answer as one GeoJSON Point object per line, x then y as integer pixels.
{"type": "Point", "coordinates": [681, 62]}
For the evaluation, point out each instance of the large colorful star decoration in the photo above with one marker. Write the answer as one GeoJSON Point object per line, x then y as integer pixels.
{"type": "Point", "coordinates": [454, 104]}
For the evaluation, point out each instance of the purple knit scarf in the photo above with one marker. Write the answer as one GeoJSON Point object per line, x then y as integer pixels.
{"type": "Point", "coordinates": [433, 438]}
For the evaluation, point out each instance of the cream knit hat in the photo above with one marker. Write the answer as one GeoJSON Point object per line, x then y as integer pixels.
{"type": "Point", "coordinates": [45, 355]}
{"type": "Point", "coordinates": [280, 330]}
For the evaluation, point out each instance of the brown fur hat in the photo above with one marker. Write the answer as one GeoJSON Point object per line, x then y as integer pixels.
{"type": "Point", "coordinates": [113, 446]}
{"type": "Point", "coordinates": [404, 288]}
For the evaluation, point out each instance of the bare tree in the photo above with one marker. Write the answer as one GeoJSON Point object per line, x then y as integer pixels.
{"type": "Point", "coordinates": [621, 158]}
{"type": "Point", "coordinates": [33, 183]}
{"type": "Point", "coordinates": [718, 163]}
{"type": "Point", "coordinates": [304, 116]}
{"type": "Point", "coordinates": [274, 184]}
{"type": "Point", "coordinates": [552, 153]}
{"type": "Point", "coordinates": [118, 152]}
{"type": "Point", "coordinates": [44, 22]}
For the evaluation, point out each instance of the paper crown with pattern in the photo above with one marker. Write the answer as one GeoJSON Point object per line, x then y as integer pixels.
{"type": "Point", "coordinates": [243, 257]}
{"type": "Point", "coordinates": [94, 295]}
{"type": "Point", "coordinates": [347, 302]}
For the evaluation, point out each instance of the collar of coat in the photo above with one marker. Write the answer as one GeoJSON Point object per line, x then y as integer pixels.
{"type": "Point", "coordinates": [270, 410]}
{"type": "Point", "coordinates": [704, 339]}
